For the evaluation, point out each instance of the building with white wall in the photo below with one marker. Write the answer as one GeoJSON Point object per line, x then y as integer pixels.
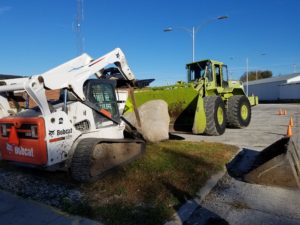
{"type": "Point", "coordinates": [281, 88]}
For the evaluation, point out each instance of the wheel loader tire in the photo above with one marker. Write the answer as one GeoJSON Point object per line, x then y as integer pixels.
{"type": "Point", "coordinates": [215, 115]}
{"type": "Point", "coordinates": [238, 111]}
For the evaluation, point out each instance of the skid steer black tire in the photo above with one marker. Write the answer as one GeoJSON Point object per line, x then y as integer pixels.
{"type": "Point", "coordinates": [93, 158]}
{"type": "Point", "coordinates": [238, 111]}
{"type": "Point", "coordinates": [215, 115]}
{"type": "Point", "coordinates": [81, 161]}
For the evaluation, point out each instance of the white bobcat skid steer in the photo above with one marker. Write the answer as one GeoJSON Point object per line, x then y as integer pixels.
{"type": "Point", "coordinates": [82, 131]}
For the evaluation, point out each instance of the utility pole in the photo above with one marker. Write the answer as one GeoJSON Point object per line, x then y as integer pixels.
{"type": "Point", "coordinates": [294, 67]}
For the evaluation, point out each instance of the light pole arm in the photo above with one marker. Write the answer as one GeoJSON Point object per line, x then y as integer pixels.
{"type": "Point", "coordinates": [190, 31]}
{"type": "Point", "coordinates": [210, 21]}
{"type": "Point", "coordinates": [194, 30]}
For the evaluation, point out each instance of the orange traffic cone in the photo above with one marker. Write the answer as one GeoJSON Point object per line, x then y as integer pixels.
{"type": "Point", "coordinates": [285, 112]}
{"type": "Point", "coordinates": [279, 112]}
{"type": "Point", "coordinates": [291, 123]}
{"type": "Point", "coordinates": [289, 132]}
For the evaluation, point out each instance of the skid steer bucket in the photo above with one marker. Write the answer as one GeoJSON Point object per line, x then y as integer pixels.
{"type": "Point", "coordinates": [277, 165]}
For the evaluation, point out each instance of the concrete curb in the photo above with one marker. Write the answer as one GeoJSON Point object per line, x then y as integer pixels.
{"type": "Point", "coordinates": [187, 209]}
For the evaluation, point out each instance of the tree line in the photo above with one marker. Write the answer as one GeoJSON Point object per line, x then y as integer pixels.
{"type": "Point", "coordinates": [256, 75]}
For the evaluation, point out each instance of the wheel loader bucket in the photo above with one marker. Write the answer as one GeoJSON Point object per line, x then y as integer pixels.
{"type": "Point", "coordinates": [277, 165]}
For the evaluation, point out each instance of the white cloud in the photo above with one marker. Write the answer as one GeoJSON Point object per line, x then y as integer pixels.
{"type": "Point", "coordinates": [4, 9]}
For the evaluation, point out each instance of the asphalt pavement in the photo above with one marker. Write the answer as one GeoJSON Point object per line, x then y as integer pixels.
{"type": "Point", "coordinates": [228, 200]}
{"type": "Point", "coordinates": [17, 211]}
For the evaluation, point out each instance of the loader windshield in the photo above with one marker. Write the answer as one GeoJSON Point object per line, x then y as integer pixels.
{"type": "Point", "coordinates": [196, 71]}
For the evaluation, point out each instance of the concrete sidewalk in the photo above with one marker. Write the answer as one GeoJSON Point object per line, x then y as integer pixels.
{"type": "Point", "coordinates": [17, 211]}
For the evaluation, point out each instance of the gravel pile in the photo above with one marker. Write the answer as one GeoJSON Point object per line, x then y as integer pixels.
{"type": "Point", "coordinates": [42, 189]}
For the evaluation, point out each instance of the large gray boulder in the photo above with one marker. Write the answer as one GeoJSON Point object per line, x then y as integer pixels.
{"type": "Point", "coordinates": [154, 118]}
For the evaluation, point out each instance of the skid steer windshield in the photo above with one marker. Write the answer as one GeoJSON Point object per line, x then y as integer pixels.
{"type": "Point", "coordinates": [102, 96]}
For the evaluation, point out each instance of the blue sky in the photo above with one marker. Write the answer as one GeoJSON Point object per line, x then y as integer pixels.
{"type": "Point", "coordinates": [37, 35]}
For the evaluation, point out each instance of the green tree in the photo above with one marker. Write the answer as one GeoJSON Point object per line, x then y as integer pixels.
{"type": "Point", "coordinates": [256, 75]}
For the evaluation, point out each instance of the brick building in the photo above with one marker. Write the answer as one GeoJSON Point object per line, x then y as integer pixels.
{"type": "Point", "coordinates": [21, 99]}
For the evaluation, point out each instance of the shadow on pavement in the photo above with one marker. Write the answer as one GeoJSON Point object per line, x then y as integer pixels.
{"type": "Point", "coordinates": [190, 212]}
{"type": "Point", "coordinates": [279, 134]}
{"type": "Point", "coordinates": [202, 216]}
{"type": "Point", "coordinates": [242, 163]}
{"type": "Point", "coordinates": [175, 137]}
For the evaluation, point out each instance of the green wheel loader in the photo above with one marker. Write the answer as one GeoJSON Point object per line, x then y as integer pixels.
{"type": "Point", "coordinates": [206, 104]}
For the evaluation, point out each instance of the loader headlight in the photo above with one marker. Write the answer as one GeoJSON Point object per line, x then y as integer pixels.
{"type": "Point", "coordinates": [34, 131]}
{"type": "Point", "coordinates": [29, 131]}
{"type": "Point", "coordinates": [3, 130]}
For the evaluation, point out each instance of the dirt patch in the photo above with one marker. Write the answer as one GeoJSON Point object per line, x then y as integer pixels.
{"type": "Point", "coordinates": [239, 205]}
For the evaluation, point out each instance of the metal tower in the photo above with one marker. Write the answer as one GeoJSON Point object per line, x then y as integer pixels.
{"type": "Point", "coordinates": [78, 27]}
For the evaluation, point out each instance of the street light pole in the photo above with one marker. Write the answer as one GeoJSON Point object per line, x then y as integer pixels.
{"type": "Point", "coordinates": [194, 31]}
{"type": "Point", "coordinates": [193, 37]}
{"type": "Point", "coordinates": [247, 72]}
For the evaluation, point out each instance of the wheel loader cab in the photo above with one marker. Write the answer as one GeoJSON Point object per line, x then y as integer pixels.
{"type": "Point", "coordinates": [212, 70]}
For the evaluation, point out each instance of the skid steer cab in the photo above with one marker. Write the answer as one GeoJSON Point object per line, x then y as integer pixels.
{"type": "Point", "coordinates": [81, 132]}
